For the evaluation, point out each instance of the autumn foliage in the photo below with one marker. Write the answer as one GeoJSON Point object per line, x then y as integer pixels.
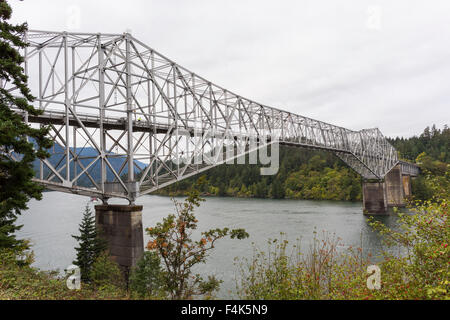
{"type": "Point", "coordinates": [172, 240]}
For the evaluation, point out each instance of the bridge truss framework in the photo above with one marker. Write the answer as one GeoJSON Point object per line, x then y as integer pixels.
{"type": "Point", "coordinates": [115, 96]}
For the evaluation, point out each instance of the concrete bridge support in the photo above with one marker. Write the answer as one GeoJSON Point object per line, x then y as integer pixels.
{"type": "Point", "coordinates": [394, 187]}
{"type": "Point", "coordinates": [392, 192]}
{"type": "Point", "coordinates": [121, 226]}
{"type": "Point", "coordinates": [374, 198]}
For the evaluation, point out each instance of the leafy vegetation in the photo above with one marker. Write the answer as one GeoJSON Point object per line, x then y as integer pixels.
{"type": "Point", "coordinates": [325, 273]}
{"type": "Point", "coordinates": [322, 273]}
{"type": "Point", "coordinates": [20, 281]}
{"type": "Point", "coordinates": [146, 279]}
{"type": "Point", "coordinates": [424, 271]}
{"type": "Point", "coordinates": [105, 273]}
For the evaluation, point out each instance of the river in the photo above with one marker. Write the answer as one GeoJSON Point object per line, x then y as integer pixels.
{"type": "Point", "coordinates": [50, 223]}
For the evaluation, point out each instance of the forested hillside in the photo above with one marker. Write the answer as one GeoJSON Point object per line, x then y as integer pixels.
{"type": "Point", "coordinates": [434, 142]}
{"type": "Point", "coordinates": [431, 151]}
{"type": "Point", "coordinates": [303, 174]}
{"type": "Point", "coordinates": [317, 175]}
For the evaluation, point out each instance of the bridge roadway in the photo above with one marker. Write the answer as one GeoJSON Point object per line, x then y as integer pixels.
{"type": "Point", "coordinates": [349, 145]}
{"type": "Point", "coordinates": [57, 117]}
{"type": "Point", "coordinates": [117, 123]}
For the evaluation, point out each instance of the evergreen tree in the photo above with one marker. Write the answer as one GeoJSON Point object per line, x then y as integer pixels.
{"type": "Point", "coordinates": [434, 142]}
{"type": "Point", "coordinates": [277, 190]}
{"type": "Point", "coordinates": [16, 185]}
{"type": "Point", "coordinates": [91, 246]}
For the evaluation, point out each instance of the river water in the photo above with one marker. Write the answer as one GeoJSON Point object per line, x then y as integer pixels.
{"type": "Point", "coordinates": [50, 223]}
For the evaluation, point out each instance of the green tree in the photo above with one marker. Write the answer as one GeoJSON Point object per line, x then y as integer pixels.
{"type": "Point", "coordinates": [146, 279]}
{"type": "Point", "coordinates": [261, 189]}
{"type": "Point", "coordinates": [434, 181]}
{"type": "Point", "coordinates": [16, 185]}
{"type": "Point", "coordinates": [434, 142]}
{"type": "Point", "coordinates": [105, 273]}
{"type": "Point", "coordinates": [277, 190]}
{"type": "Point", "coordinates": [90, 246]}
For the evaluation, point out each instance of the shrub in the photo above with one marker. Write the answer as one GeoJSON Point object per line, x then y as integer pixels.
{"type": "Point", "coordinates": [423, 271]}
{"type": "Point", "coordinates": [172, 240]}
{"type": "Point", "coordinates": [21, 281]}
{"type": "Point", "coordinates": [321, 273]}
{"type": "Point", "coordinates": [105, 272]}
{"type": "Point", "coordinates": [146, 279]}
{"type": "Point", "coordinates": [420, 269]}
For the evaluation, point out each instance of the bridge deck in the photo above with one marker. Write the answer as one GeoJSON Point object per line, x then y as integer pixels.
{"type": "Point", "coordinates": [120, 123]}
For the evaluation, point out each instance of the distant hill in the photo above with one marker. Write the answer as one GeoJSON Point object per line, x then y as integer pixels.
{"type": "Point", "coordinates": [57, 159]}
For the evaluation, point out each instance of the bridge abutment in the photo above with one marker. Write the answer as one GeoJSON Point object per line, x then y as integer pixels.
{"type": "Point", "coordinates": [378, 196]}
{"type": "Point", "coordinates": [121, 227]}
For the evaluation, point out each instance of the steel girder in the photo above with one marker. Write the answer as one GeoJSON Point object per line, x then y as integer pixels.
{"type": "Point", "coordinates": [121, 113]}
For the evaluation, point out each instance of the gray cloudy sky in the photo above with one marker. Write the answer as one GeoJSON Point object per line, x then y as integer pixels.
{"type": "Point", "coordinates": [355, 63]}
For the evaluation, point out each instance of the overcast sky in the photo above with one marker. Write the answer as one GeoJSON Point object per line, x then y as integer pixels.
{"type": "Point", "coordinates": [354, 63]}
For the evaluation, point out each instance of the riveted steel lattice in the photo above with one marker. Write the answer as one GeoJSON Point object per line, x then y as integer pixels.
{"type": "Point", "coordinates": [135, 111]}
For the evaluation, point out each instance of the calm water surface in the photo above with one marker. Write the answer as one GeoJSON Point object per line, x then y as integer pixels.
{"type": "Point", "coordinates": [50, 223]}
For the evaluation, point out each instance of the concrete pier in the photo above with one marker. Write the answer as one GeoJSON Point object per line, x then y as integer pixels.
{"type": "Point", "coordinates": [394, 188]}
{"type": "Point", "coordinates": [121, 226]}
{"type": "Point", "coordinates": [374, 198]}
{"type": "Point", "coordinates": [380, 195]}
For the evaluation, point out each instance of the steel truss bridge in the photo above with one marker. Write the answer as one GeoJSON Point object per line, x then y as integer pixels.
{"type": "Point", "coordinates": [136, 112]}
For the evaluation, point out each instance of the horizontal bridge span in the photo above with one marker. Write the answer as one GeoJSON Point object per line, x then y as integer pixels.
{"type": "Point", "coordinates": [91, 121]}
{"type": "Point", "coordinates": [119, 111]}
{"type": "Point", "coordinates": [409, 169]}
